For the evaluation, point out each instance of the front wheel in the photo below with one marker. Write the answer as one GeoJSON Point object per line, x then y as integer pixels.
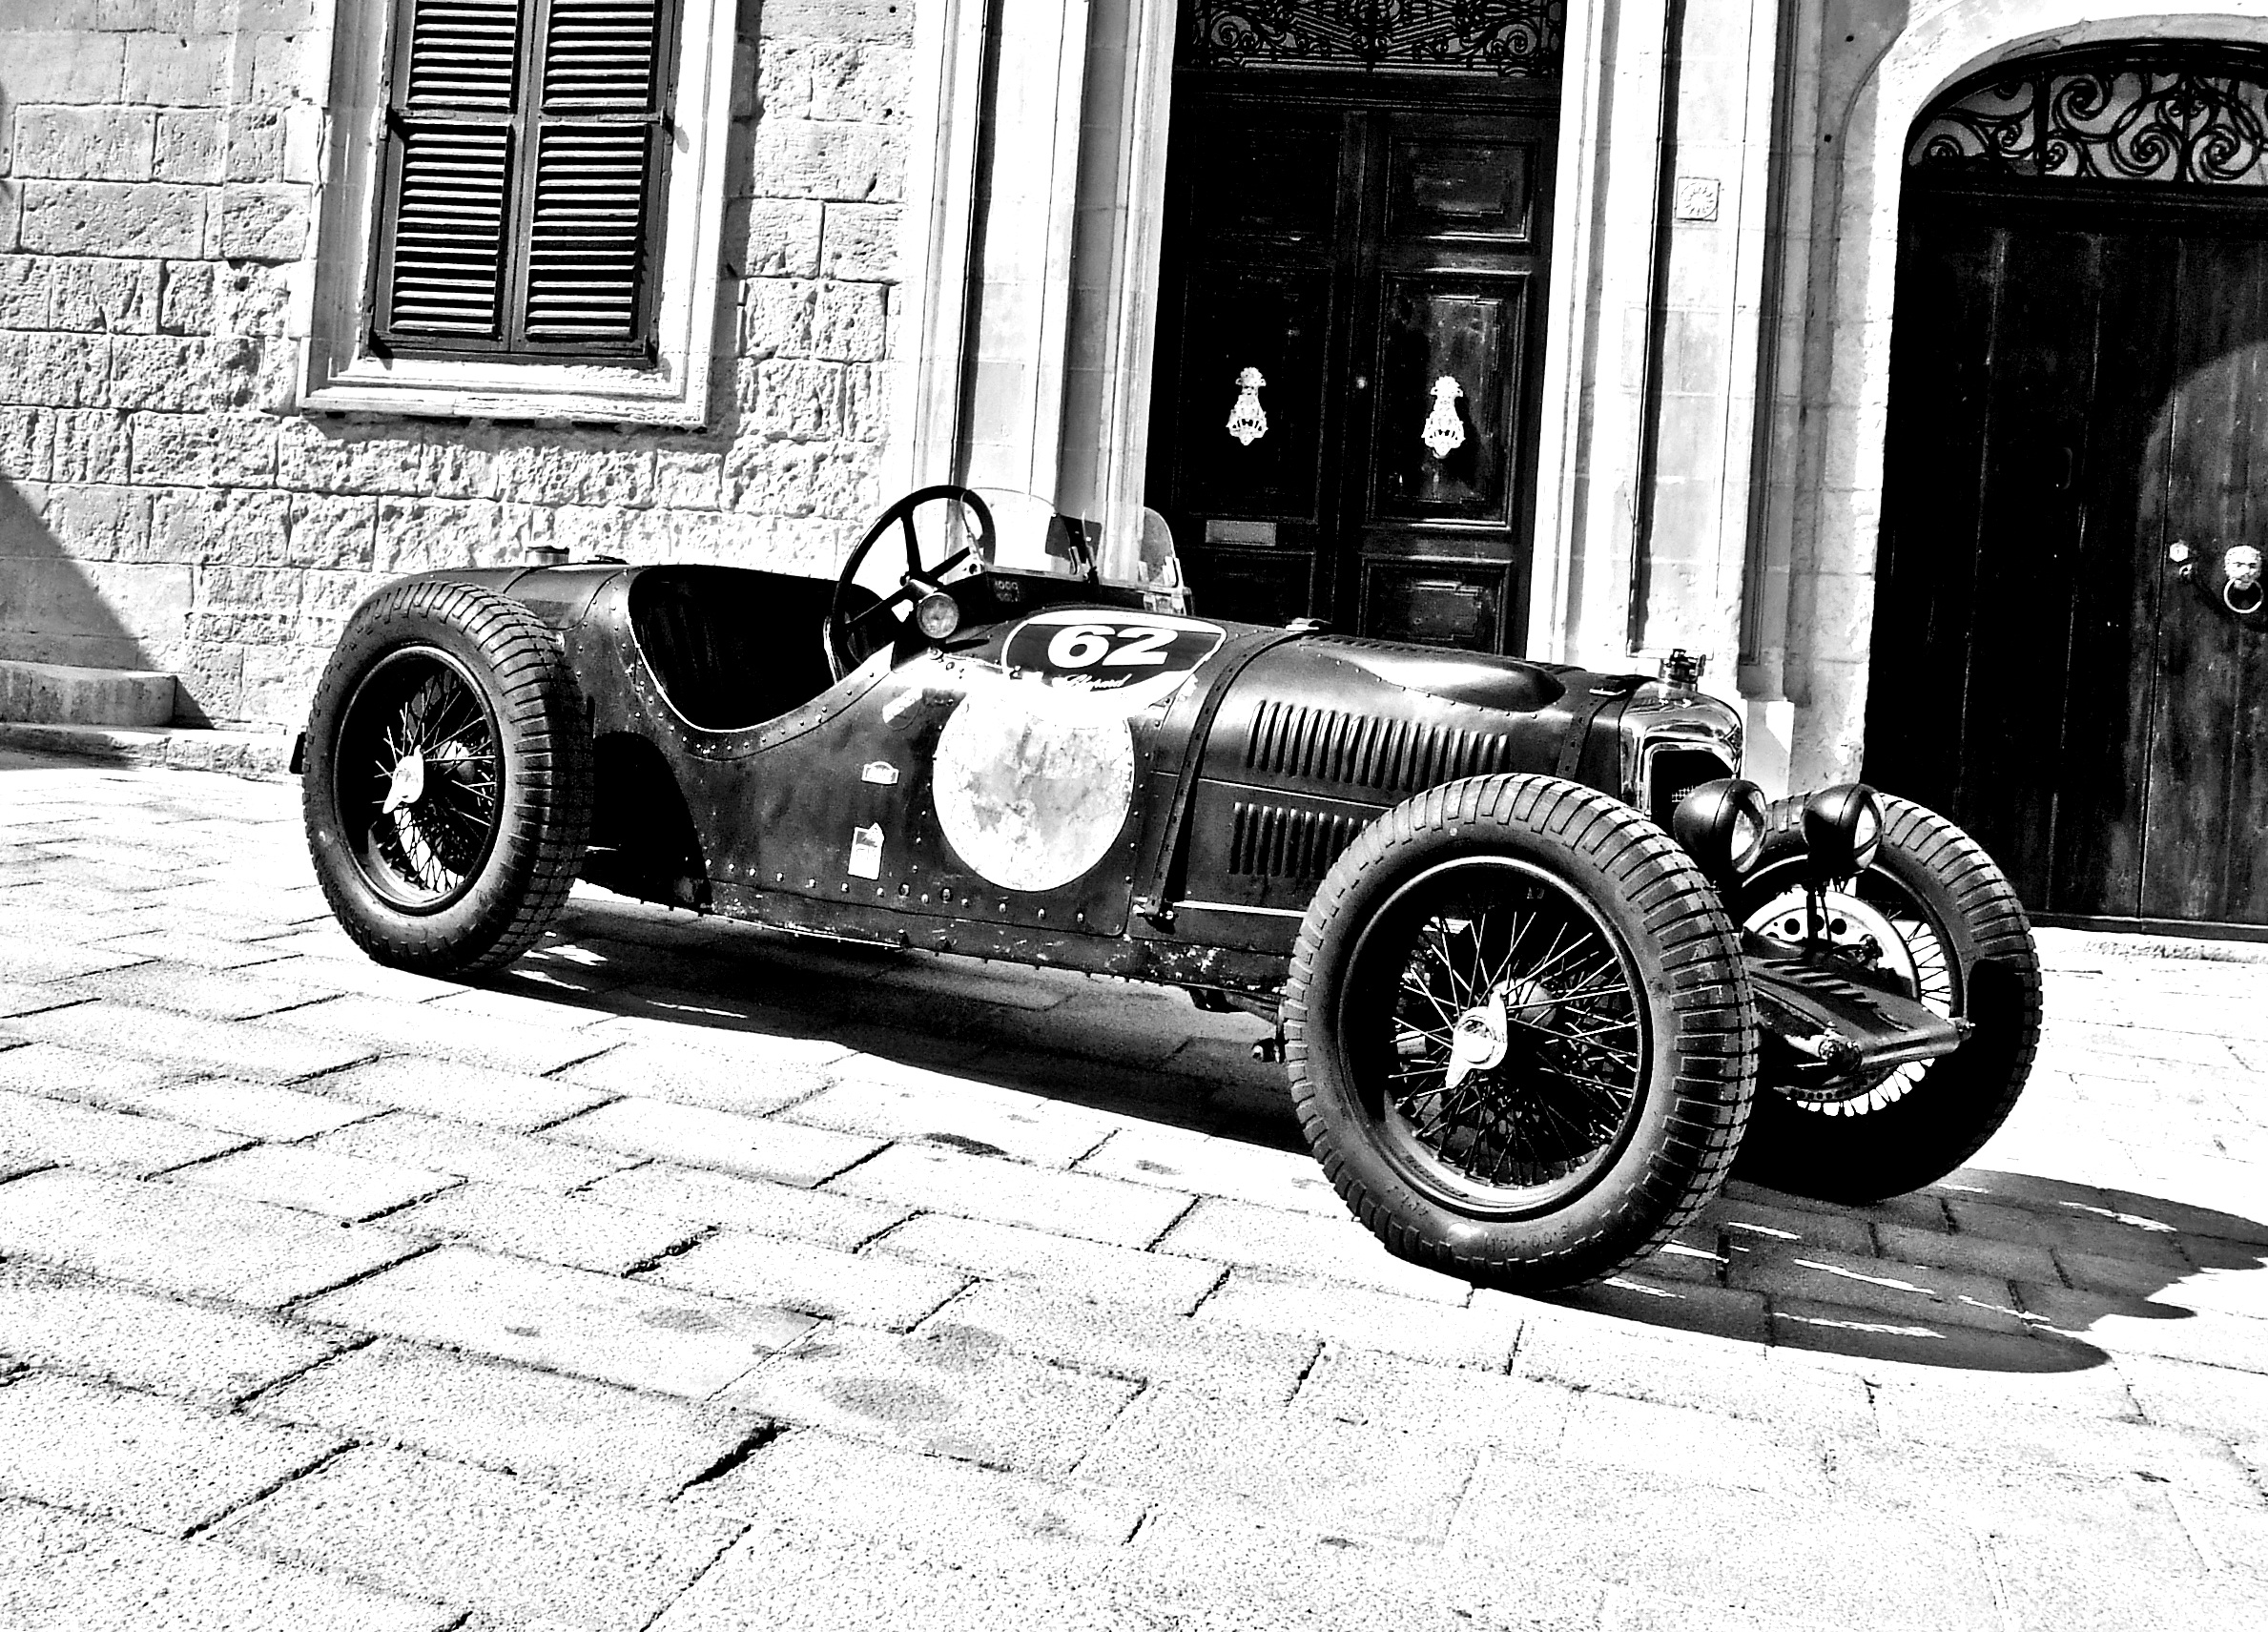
{"type": "Point", "coordinates": [1936, 916]}
{"type": "Point", "coordinates": [1519, 1032]}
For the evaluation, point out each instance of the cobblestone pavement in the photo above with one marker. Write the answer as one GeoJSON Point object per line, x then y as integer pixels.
{"type": "Point", "coordinates": [686, 1277]}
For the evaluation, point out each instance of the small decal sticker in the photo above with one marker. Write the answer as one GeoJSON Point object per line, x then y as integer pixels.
{"type": "Point", "coordinates": [866, 852]}
{"type": "Point", "coordinates": [880, 772]}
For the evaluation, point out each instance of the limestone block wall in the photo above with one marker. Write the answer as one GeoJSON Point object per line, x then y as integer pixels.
{"type": "Point", "coordinates": [163, 503]}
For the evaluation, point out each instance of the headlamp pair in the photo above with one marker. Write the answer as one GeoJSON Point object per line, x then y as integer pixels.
{"type": "Point", "coordinates": [1721, 825]}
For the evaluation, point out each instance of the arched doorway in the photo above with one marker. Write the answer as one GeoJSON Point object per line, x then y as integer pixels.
{"type": "Point", "coordinates": [1350, 314]}
{"type": "Point", "coordinates": [2079, 362]}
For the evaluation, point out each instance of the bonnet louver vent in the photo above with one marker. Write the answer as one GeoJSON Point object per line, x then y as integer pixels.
{"type": "Point", "coordinates": [1268, 841]}
{"type": "Point", "coordinates": [1326, 745]}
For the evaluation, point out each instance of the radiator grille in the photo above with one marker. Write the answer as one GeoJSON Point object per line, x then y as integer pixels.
{"type": "Point", "coordinates": [1677, 772]}
{"type": "Point", "coordinates": [1327, 745]}
{"type": "Point", "coordinates": [1270, 842]}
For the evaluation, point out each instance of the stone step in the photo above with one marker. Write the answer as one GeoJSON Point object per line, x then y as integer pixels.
{"type": "Point", "coordinates": [55, 693]}
{"type": "Point", "coordinates": [261, 754]}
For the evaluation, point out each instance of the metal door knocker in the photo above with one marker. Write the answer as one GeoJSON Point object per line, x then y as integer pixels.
{"type": "Point", "coordinates": [2240, 588]}
{"type": "Point", "coordinates": [1247, 421]}
{"type": "Point", "coordinates": [2242, 592]}
{"type": "Point", "coordinates": [1444, 430]}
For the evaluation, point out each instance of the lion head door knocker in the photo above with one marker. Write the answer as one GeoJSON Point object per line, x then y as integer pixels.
{"type": "Point", "coordinates": [2241, 590]}
{"type": "Point", "coordinates": [1247, 421]}
{"type": "Point", "coordinates": [2240, 568]}
{"type": "Point", "coordinates": [1444, 430]}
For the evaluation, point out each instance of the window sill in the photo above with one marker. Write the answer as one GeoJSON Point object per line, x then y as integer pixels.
{"type": "Point", "coordinates": [466, 389]}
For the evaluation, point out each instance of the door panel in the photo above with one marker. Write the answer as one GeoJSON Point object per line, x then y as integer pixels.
{"type": "Point", "coordinates": [2203, 797]}
{"type": "Point", "coordinates": [1948, 278]}
{"type": "Point", "coordinates": [1275, 322]}
{"type": "Point", "coordinates": [1443, 184]}
{"type": "Point", "coordinates": [1438, 603]}
{"type": "Point", "coordinates": [1355, 251]}
{"type": "Point", "coordinates": [2021, 589]}
{"type": "Point", "coordinates": [2072, 392]}
{"type": "Point", "coordinates": [1468, 338]}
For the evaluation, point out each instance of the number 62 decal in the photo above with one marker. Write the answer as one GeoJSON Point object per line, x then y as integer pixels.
{"type": "Point", "coordinates": [1102, 649]}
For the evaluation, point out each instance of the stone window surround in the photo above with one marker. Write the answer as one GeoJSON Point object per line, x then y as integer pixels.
{"type": "Point", "coordinates": [343, 375]}
{"type": "Point", "coordinates": [1818, 547]}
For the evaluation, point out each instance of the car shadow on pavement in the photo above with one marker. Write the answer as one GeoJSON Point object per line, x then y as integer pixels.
{"type": "Point", "coordinates": [1988, 1270]}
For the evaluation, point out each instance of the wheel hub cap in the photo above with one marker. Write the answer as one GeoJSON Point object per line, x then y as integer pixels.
{"type": "Point", "coordinates": [1479, 1040]}
{"type": "Point", "coordinates": [408, 784]}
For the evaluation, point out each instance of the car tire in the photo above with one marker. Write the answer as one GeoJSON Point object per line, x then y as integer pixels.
{"type": "Point", "coordinates": [1512, 1176]}
{"type": "Point", "coordinates": [1970, 948]}
{"type": "Point", "coordinates": [455, 864]}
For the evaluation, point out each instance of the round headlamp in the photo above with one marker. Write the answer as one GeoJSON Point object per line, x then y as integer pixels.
{"type": "Point", "coordinates": [1721, 826]}
{"type": "Point", "coordinates": [937, 614]}
{"type": "Point", "coordinates": [1842, 831]}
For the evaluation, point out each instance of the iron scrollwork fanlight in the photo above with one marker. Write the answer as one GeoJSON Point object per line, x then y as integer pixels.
{"type": "Point", "coordinates": [1515, 39]}
{"type": "Point", "coordinates": [2143, 114]}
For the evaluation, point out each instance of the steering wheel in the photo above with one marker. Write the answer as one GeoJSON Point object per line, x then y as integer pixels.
{"type": "Point", "coordinates": [842, 621]}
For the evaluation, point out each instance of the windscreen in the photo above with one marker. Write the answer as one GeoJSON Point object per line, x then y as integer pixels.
{"type": "Point", "coordinates": [1031, 535]}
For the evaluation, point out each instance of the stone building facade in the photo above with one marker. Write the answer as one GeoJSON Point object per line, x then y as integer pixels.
{"type": "Point", "coordinates": [921, 240]}
{"type": "Point", "coordinates": [173, 501]}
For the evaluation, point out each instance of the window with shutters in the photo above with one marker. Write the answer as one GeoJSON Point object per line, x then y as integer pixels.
{"type": "Point", "coordinates": [526, 146]}
{"type": "Point", "coordinates": [523, 208]}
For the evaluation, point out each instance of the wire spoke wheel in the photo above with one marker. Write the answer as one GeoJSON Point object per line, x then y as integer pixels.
{"type": "Point", "coordinates": [1883, 927]}
{"type": "Point", "coordinates": [420, 778]}
{"type": "Point", "coordinates": [1519, 1033]}
{"type": "Point", "coordinates": [447, 788]}
{"type": "Point", "coordinates": [1505, 1035]}
{"type": "Point", "coordinates": [1940, 921]}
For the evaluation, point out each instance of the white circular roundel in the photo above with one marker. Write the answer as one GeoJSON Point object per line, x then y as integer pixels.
{"type": "Point", "coordinates": [1032, 787]}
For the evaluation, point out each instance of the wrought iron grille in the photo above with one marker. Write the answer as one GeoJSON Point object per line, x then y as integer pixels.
{"type": "Point", "coordinates": [2193, 118]}
{"type": "Point", "coordinates": [1522, 39]}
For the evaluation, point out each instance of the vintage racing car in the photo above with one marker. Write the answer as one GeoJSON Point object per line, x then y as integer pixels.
{"type": "Point", "coordinates": [1540, 964]}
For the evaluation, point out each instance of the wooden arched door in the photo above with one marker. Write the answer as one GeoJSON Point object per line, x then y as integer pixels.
{"type": "Point", "coordinates": [2079, 385]}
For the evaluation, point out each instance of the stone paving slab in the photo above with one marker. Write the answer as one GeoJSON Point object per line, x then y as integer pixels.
{"type": "Point", "coordinates": [65, 1570]}
{"type": "Point", "coordinates": [43, 1131]}
{"type": "Point", "coordinates": [426, 1528]}
{"type": "Point", "coordinates": [760, 1205]}
{"type": "Point", "coordinates": [575, 1433]}
{"type": "Point", "coordinates": [980, 1187]}
{"type": "Point", "coordinates": [751, 1146]}
{"type": "Point", "coordinates": [572, 1231]}
{"type": "Point", "coordinates": [151, 1462]}
{"type": "Point", "coordinates": [512, 1101]}
{"type": "Point", "coordinates": [565, 1320]}
{"type": "Point", "coordinates": [177, 1239]}
{"type": "Point", "coordinates": [865, 1289]}
{"type": "Point", "coordinates": [957, 1394]}
{"type": "Point", "coordinates": [1144, 1345]}
{"type": "Point", "coordinates": [1154, 1374]}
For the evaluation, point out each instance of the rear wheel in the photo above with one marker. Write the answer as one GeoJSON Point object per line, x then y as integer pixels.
{"type": "Point", "coordinates": [1940, 919]}
{"type": "Point", "coordinates": [447, 786]}
{"type": "Point", "coordinates": [1521, 1036]}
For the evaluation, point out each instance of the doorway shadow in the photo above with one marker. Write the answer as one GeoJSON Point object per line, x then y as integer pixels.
{"type": "Point", "coordinates": [1987, 1271]}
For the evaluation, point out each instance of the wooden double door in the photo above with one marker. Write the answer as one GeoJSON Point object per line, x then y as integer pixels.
{"type": "Point", "coordinates": [1350, 339]}
{"type": "Point", "coordinates": [2080, 384]}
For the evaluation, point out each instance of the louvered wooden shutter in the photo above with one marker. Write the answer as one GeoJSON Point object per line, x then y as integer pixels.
{"type": "Point", "coordinates": [526, 163]}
